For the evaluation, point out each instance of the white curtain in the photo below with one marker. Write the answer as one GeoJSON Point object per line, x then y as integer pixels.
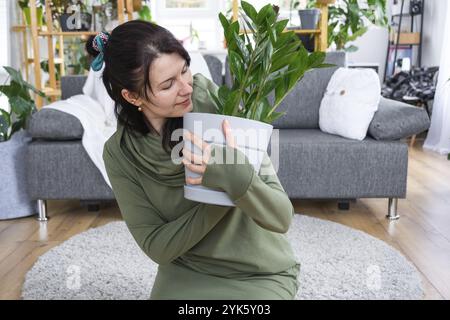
{"type": "Point", "coordinates": [438, 137]}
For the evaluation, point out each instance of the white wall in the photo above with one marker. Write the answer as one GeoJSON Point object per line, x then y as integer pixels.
{"type": "Point", "coordinates": [4, 40]}
{"type": "Point", "coordinates": [372, 48]}
{"type": "Point", "coordinates": [15, 38]}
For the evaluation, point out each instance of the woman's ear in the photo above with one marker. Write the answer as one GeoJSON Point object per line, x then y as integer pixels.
{"type": "Point", "coordinates": [131, 97]}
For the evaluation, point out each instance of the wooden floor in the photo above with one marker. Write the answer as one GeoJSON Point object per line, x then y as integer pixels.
{"type": "Point", "coordinates": [422, 234]}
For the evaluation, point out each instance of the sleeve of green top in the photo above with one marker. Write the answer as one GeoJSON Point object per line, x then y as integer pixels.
{"type": "Point", "coordinates": [260, 196]}
{"type": "Point", "coordinates": [161, 240]}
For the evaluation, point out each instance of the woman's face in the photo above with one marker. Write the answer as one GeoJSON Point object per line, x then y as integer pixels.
{"type": "Point", "coordinates": [171, 82]}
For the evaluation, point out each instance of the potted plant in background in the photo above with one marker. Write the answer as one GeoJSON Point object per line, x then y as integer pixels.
{"type": "Point", "coordinates": [263, 61]}
{"type": "Point", "coordinates": [349, 19]}
{"type": "Point", "coordinates": [309, 16]}
{"type": "Point", "coordinates": [14, 200]}
{"type": "Point", "coordinates": [25, 6]}
{"type": "Point", "coordinates": [145, 12]}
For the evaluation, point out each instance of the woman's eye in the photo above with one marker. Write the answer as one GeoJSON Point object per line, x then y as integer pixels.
{"type": "Point", "coordinates": [184, 71]}
{"type": "Point", "coordinates": [168, 86]}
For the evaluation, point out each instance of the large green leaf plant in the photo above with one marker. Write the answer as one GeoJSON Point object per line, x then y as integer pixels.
{"type": "Point", "coordinates": [20, 102]}
{"type": "Point", "coordinates": [263, 59]}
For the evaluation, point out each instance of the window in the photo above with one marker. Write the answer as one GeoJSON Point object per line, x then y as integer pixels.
{"type": "Point", "coordinates": [171, 4]}
{"type": "Point", "coordinates": [195, 22]}
{"type": "Point", "coordinates": [4, 34]}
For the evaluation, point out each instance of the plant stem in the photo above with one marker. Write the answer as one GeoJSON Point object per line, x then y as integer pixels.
{"type": "Point", "coordinates": [244, 81]}
{"type": "Point", "coordinates": [261, 87]}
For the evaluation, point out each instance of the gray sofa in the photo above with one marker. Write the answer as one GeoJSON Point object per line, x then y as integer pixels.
{"type": "Point", "coordinates": [312, 164]}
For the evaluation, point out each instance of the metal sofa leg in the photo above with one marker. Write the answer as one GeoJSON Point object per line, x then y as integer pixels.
{"type": "Point", "coordinates": [42, 210]}
{"type": "Point", "coordinates": [392, 209]}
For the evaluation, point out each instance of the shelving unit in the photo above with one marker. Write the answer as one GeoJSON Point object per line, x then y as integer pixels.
{"type": "Point", "coordinates": [53, 91]}
{"type": "Point", "coordinates": [409, 39]}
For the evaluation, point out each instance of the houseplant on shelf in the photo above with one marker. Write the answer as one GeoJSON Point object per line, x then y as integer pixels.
{"type": "Point", "coordinates": [309, 14]}
{"type": "Point", "coordinates": [265, 63]}
{"type": "Point", "coordinates": [14, 200]}
{"type": "Point", "coordinates": [25, 6]}
{"type": "Point", "coordinates": [309, 17]}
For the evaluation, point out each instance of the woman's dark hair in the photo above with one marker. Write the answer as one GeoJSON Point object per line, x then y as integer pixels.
{"type": "Point", "coordinates": [130, 51]}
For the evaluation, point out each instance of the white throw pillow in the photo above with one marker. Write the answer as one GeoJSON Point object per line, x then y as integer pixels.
{"type": "Point", "coordinates": [350, 102]}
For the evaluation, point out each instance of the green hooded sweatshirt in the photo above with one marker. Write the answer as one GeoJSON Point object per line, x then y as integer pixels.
{"type": "Point", "coordinates": [204, 251]}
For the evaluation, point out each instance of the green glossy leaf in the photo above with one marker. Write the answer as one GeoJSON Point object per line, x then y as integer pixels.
{"type": "Point", "coordinates": [225, 24]}
{"type": "Point", "coordinates": [217, 102]}
{"type": "Point", "coordinates": [280, 26]}
{"type": "Point", "coordinates": [14, 74]}
{"type": "Point", "coordinates": [232, 103]}
{"type": "Point", "coordinates": [236, 65]}
{"type": "Point", "coordinates": [249, 10]}
{"type": "Point", "coordinates": [21, 106]}
{"type": "Point", "coordinates": [264, 13]}
{"type": "Point", "coordinates": [17, 126]}
{"type": "Point", "coordinates": [316, 58]}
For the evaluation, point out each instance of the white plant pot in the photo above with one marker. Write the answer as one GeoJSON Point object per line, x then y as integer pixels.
{"type": "Point", "coordinates": [14, 199]}
{"type": "Point", "coordinates": [252, 138]}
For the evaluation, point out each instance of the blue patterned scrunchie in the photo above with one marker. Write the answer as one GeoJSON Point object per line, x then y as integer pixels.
{"type": "Point", "coordinates": [99, 44]}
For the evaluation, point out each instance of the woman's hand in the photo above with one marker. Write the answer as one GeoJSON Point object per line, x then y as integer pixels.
{"type": "Point", "coordinates": [197, 163]}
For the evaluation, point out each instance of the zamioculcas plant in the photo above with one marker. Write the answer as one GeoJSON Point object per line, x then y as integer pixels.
{"type": "Point", "coordinates": [263, 59]}
{"type": "Point", "coordinates": [266, 63]}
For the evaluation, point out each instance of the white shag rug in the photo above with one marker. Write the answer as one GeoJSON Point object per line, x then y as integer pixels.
{"type": "Point", "coordinates": [337, 262]}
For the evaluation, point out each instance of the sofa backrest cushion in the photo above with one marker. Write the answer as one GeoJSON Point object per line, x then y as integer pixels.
{"type": "Point", "coordinates": [303, 102]}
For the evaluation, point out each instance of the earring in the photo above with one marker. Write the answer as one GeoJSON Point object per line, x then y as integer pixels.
{"type": "Point", "coordinates": [139, 109]}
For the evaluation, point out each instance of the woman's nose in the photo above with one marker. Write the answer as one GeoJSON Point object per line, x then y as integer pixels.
{"type": "Point", "coordinates": [186, 89]}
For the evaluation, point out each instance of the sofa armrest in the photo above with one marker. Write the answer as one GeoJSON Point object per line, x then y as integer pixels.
{"type": "Point", "coordinates": [51, 124]}
{"type": "Point", "coordinates": [396, 120]}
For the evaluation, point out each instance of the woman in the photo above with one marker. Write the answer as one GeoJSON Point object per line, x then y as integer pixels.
{"type": "Point", "coordinates": [204, 251]}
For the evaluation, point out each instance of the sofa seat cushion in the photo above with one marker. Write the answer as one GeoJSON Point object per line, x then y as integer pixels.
{"type": "Point", "coordinates": [314, 164]}
{"type": "Point", "coordinates": [51, 124]}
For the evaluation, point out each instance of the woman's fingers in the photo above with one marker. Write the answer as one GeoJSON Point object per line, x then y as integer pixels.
{"type": "Point", "coordinates": [192, 157]}
{"type": "Point", "coordinates": [194, 168]}
{"type": "Point", "coordinates": [196, 140]}
{"type": "Point", "coordinates": [229, 138]}
{"type": "Point", "coordinates": [190, 180]}
{"type": "Point", "coordinates": [202, 145]}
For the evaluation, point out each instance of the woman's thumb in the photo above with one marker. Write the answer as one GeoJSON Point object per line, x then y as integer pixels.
{"type": "Point", "coordinates": [231, 142]}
